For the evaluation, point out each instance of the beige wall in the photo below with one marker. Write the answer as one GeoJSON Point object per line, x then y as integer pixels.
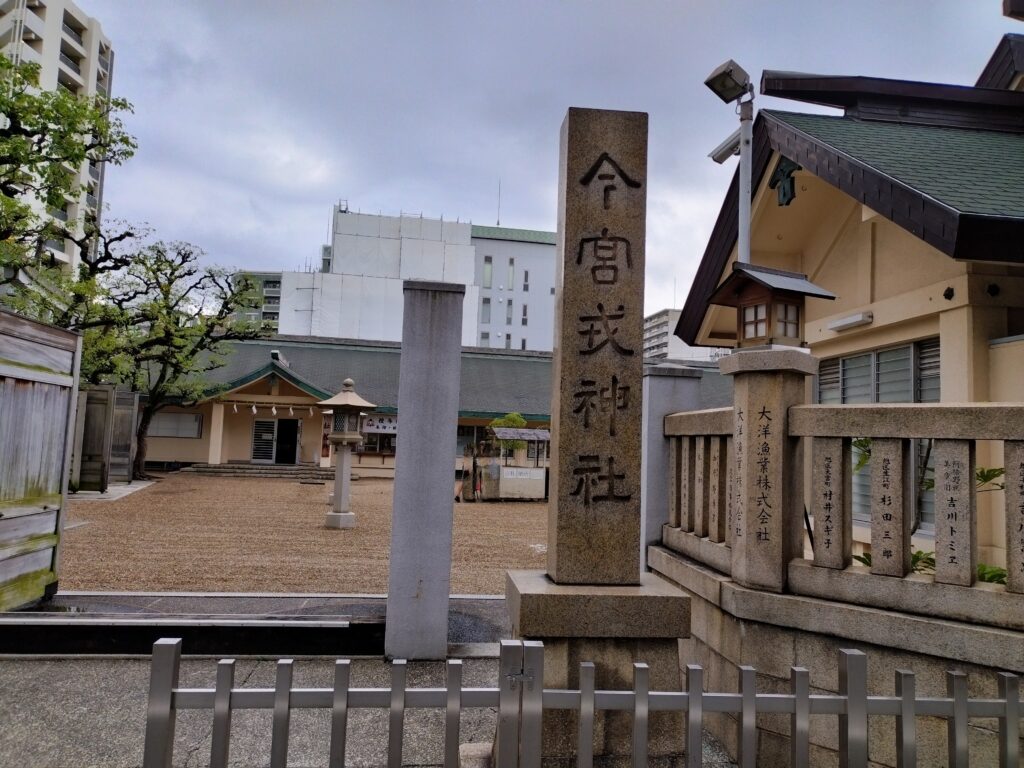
{"type": "Point", "coordinates": [913, 291]}
{"type": "Point", "coordinates": [182, 449]}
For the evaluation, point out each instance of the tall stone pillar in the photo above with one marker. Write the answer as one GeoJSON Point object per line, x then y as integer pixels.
{"type": "Point", "coordinates": [419, 576]}
{"type": "Point", "coordinates": [594, 603]}
{"type": "Point", "coordinates": [767, 534]}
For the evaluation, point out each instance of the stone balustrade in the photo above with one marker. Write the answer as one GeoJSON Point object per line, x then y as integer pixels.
{"type": "Point", "coordinates": [955, 429]}
{"type": "Point", "coordinates": [702, 504]}
{"type": "Point", "coordinates": [701, 469]}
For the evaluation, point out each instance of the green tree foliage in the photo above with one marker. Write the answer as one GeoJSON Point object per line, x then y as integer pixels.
{"type": "Point", "coordinates": [173, 319]}
{"type": "Point", "coordinates": [45, 138]}
{"type": "Point", "coordinates": [515, 421]}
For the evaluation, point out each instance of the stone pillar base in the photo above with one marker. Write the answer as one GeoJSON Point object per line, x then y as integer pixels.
{"type": "Point", "coordinates": [340, 520]}
{"type": "Point", "coordinates": [614, 627]}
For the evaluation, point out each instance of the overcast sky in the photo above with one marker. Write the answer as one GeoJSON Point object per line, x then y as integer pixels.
{"type": "Point", "coordinates": [254, 117]}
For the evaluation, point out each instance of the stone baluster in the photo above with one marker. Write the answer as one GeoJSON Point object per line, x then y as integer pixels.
{"type": "Point", "coordinates": [701, 485]}
{"type": "Point", "coordinates": [717, 490]}
{"type": "Point", "coordinates": [686, 483]}
{"type": "Point", "coordinates": [891, 507]}
{"type": "Point", "coordinates": [831, 498]}
{"type": "Point", "coordinates": [675, 476]}
{"type": "Point", "coordinates": [730, 499]}
{"type": "Point", "coordinates": [956, 523]}
{"type": "Point", "coordinates": [1013, 461]}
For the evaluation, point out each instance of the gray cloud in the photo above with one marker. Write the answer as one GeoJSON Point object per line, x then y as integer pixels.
{"type": "Point", "coordinates": [254, 117]}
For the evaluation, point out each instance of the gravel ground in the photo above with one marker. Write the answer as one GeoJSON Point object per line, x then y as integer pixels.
{"type": "Point", "coordinates": [193, 533]}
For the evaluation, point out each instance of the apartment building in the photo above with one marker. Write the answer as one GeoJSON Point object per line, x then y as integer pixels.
{"type": "Point", "coordinates": [73, 53]}
{"type": "Point", "coordinates": [661, 344]}
{"type": "Point", "coordinates": [515, 273]}
{"type": "Point", "coordinates": [509, 276]}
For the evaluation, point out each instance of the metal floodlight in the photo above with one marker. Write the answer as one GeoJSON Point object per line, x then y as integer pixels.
{"type": "Point", "coordinates": [729, 81]}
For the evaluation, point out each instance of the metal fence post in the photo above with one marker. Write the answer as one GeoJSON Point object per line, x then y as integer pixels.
{"type": "Point", "coordinates": [282, 714]}
{"type": "Point", "coordinates": [1009, 723]}
{"type": "Point", "coordinates": [220, 739]}
{"type": "Point", "coordinates": [641, 706]}
{"type": "Point", "coordinates": [906, 721]}
{"type": "Point", "coordinates": [339, 713]}
{"type": "Point", "coordinates": [694, 715]}
{"type": "Point", "coordinates": [510, 670]}
{"type": "Point", "coordinates": [396, 716]}
{"type": "Point", "coordinates": [800, 720]}
{"type": "Point", "coordinates": [748, 718]}
{"type": "Point", "coordinates": [160, 716]}
{"type": "Point", "coordinates": [585, 745]}
{"type": "Point", "coordinates": [453, 713]}
{"type": "Point", "coordinates": [853, 726]}
{"type": "Point", "coordinates": [532, 704]}
{"type": "Point", "coordinates": [956, 726]}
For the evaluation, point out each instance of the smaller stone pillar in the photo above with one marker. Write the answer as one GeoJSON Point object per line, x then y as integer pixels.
{"type": "Point", "coordinates": [419, 573]}
{"type": "Point", "coordinates": [340, 514]}
{"type": "Point", "coordinates": [768, 522]}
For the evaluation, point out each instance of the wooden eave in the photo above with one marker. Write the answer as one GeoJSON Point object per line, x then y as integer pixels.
{"type": "Point", "coordinates": [1006, 63]}
{"type": "Point", "coordinates": [903, 101]}
{"type": "Point", "coordinates": [958, 235]}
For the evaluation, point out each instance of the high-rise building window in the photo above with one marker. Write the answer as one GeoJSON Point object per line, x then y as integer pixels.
{"type": "Point", "coordinates": [485, 311]}
{"type": "Point", "coordinates": [488, 271]}
{"type": "Point", "coordinates": [511, 273]}
{"type": "Point", "coordinates": [485, 339]}
{"type": "Point", "coordinates": [524, 314]}
{"type": "Point", "coordinates": [522, 344]}
{"type": "Point", "coordinates": [508, 341]}
{"type": "Point", "coordinates": [508, 313]}
{"type": "Point", "coordinates": [526, 279]}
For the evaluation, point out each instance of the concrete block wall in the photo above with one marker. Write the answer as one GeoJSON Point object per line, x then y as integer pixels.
{"type": "Point", "coordinates": [721, 643]}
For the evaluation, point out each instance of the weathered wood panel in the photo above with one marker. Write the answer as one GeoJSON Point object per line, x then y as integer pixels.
{"type": "Point", "coordinates": [122, 441]}
{"type": "Point", "coordinates": [38, 377]}
{"type": "Point", "coordinates": [94, 473]}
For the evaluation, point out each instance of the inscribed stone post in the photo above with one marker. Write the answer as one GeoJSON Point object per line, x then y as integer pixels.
{"type": "Point", "coordinates": [831, 502]}
{"type": "Point", "coordinates": [1013, 460]}
{"type": "Point", "coordinates": [594, 518]}
{"type": "Point", "coordinates": [890, 507]}
{"type": "Point", "coordinates": [419, 576]}
{"type": "Point", "coordinates": [767, 512]}
{"type": "Point", "coordinates": [956, 524]}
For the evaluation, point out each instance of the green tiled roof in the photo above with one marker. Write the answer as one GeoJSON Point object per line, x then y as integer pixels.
{"type": "Point", "coordinates": [519, 235]}
{"type": "Point", "coordinates": [971, 171]}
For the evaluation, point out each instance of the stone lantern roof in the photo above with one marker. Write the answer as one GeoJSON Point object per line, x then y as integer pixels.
{"type": "Point", "coordinates": [346, 398]}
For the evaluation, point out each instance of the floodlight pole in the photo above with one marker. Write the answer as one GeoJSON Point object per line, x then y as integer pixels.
{"type": "Point", "coordinates": [746, 110]}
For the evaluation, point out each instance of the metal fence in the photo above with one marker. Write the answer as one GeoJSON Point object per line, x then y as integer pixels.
{"type": "Point", "coordinates": [521, 701]}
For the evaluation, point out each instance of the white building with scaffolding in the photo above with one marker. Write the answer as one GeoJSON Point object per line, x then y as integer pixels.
{"type": "Point", "coordinates": [509, 276]}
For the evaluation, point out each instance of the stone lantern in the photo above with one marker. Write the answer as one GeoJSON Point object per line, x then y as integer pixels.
{"type": "Point", "coordinates": [769, 304]}
{"type": "Point", "coordinates": [346, 432]}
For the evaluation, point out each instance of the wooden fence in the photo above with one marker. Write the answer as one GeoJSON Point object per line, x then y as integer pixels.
{"type": "Point", "coordinates": [521, 701]}
{"type": "Point", "coordinates": [38, 381]}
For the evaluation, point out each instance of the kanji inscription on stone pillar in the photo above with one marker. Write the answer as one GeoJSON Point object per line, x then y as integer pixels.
{"type": "Point", "coordinates": [594, 515]}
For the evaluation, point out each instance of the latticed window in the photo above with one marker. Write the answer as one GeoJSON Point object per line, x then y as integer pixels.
{"type": "Point", "coordinates": [755, 321]}
{"type": "Point", "coordinates": [787, 320]}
